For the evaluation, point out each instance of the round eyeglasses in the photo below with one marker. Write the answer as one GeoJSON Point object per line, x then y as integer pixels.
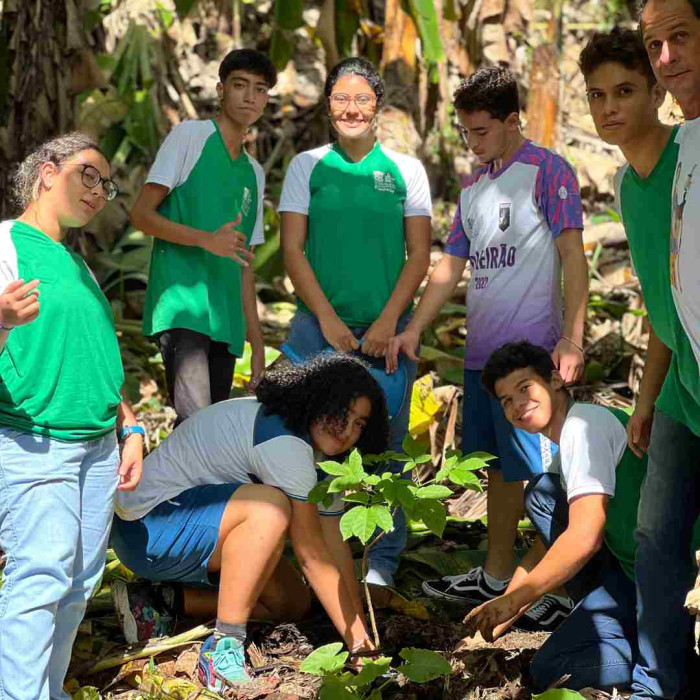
{"type": "Point", "coordinates": [364, 101]}
{"type": "Point", "coordinates": [91, 178]}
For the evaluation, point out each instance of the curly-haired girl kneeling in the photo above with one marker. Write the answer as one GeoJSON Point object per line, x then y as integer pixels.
{"type": "Point", "coordinates": [219, 496]}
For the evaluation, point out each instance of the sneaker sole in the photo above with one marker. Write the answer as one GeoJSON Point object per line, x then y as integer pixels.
{"type": "Point", "coordinates": [124, 614]}
{"type": "Point", "coordinates": [447, 596]}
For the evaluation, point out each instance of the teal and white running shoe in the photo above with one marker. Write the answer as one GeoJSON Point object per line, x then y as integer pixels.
{"type": "Point", "coordinates": [222, 663]}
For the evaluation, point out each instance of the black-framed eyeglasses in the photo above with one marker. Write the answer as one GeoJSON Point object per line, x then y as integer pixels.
{"type": "Point", "coordinates": [91, 178]}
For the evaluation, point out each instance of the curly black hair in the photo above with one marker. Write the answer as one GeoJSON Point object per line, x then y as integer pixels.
{"type": "Point", "coordinates": [322, 389]}
{"type": "Point", "coordinates": [512, 357]}
{"type": "Point", "coordinates": [641, 4]}
{"type": "Point", "coordinates": [356, 65]}
{"type": "Point", "coordinates": [493, 90]}
{"type": "Point", "coordinates": [623, 46]}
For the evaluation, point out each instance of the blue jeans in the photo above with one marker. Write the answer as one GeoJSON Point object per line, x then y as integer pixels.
{"type": "Point", "coordinates": [597, 644]}
{"type": "Point", "coordinates": [668, 509]}
{"type": "Point", "coordinates": [306, 339]}
{"type": "Point", "coordinates": [56, 505]}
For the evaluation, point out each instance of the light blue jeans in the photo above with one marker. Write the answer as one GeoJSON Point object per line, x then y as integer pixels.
{"type": "Point", "coordinates": [306, 339]}
{"type": "Point", "coordinates": [56, 505]}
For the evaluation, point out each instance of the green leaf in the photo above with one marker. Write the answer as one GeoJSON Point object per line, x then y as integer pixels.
{"type": "Point", "coordinates": [352, 477]}
{"type": "Point", "coordinates": [465, 478]}
{"type": "Point", "coordinates": [393, 456]}
{"type": "Point", "coordinates": [433, 491]}
{"type": "Point", "coordinates": [422, 459]}
{"type": "Point", "coordinates": [372, 479]}
{"type": "Point", "coordinates": [333, 689]}
{"type": "Point", "coordinates": [355, 461]}
{"type": "Point", "coordinates": [347, 21]}
{"type": "Point", "coordinates": [289, 14]}
{"type": "Point", "coordinates": [411, 447]}
{"type": "Point", "coordinates": [326, 659]}
{"type": "Point", "coordinates": [410, 466]}
{"type": "Point", "coordinates": [281, 48]}
{"type": "Point", "coordinates": [371, 670]}
{"type": "Point", "coordinates": [333, 468]}
{"type": "Point", "coordinates": [87, 692]}
{"type": "Point", "coordinates": [485, 456]}
{"type": "Point", "coordinates": [559, 694]}
{"type": "Point", "coordinates": [361, 522]}
{"type": "Point", "coordinates": [319, 493]}
{"type": "Point", "coordinates": [433, 514]}
{"type": "Point", "coordinates": [383, 517]}
{"type": "Point", "coordinates": [423, 665]}
{"type": "Point", "coordinates": [356, 497]}
{"type": "Point", "coordinates": [183, 7]}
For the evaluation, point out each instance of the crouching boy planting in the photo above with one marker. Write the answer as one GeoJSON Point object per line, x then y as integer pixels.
{"type": "Point", "coordinates": [584, 508]}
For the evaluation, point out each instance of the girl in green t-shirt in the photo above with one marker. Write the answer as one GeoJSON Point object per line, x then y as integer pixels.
{"type": "Point", "coordinates": [356, 242]}
{"type": "Point", "coordinates": [60, 403]}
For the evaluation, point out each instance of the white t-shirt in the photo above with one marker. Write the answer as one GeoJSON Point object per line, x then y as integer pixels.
{"type": "Point", "coordinates": [685, 232]}
{"type": "Point", "coordinates": [591, 445]}
{"type": "Point", "coordinates": [228, 442]}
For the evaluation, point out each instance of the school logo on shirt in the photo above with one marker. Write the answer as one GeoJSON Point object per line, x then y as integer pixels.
{"type": "Point", "coordinates": [384, 182]}
{"type": "Point", "coordinates": [504, 216]}
{"type": "Point", "coordinates": [246, 201]}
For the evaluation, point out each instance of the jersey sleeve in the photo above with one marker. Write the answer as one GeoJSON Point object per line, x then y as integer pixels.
{"type": "Point", "coordinates": [178, 154]}
{"type": "Point", "coordinates": [9, 271]}
{"type": "Point", "coordinates": [296, 194]}
{"type": "Point", "coordinates": [457, 240]}
{"type": "Point", "coordinates": [558, 195]}
{"type": "Point", "coordinates": [591, 446]}
{"type": "Point", "coordinates": [258, 237]}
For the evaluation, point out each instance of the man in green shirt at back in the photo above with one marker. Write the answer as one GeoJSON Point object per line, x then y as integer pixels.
{"type": "Point", "coordinates": [203, 203]}
{"type": "Point", "coordinates": [624, 99]}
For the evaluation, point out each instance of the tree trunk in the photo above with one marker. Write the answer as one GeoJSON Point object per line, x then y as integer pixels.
{"type": "Point", "coordinates": [45, 61]}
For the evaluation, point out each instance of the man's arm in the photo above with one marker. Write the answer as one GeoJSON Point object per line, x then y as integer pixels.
{"type": "Point", "coordinates": [306, 286]}
{"type": "Point", "coordinates": [568, 355]}
{"type": "Point", "coordinates": [444, 279]}
{"type": "Point", "coordinates": [571, 551]}
{"type": "Point", "coordinates": [325, 576]}
{"type": "Point", "coordinates": [131, 463]}
{"type": "Point", "coordinates": [655, 371]}
{"type": "Point", "coordinates": [225, 242]}
{"type": "Point", "coordinates": [417, 232]}
{"type": "Point", "coordinates": [252, 321]}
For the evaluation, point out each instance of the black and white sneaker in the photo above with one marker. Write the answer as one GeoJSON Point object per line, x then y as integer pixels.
{"type": "Point", "coordinates": [545, 615]}
{"type": "Point", "coordinates": [470, 588]}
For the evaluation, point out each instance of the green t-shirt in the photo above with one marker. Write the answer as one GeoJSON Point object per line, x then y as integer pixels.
{"type": "Point", "coordinates": [356, 242]}
{"type": "Point", "coordinates": [645, 210]}
{"type": "Point", "coordinates": [60, 375]}
{"type": "Point", "coordinates": [189, 287]}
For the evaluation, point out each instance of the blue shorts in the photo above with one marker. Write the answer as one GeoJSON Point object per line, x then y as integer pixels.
{"type": "Point", "coordinates": [175, 541]}
{"type": "Point", "coordinates": [521, 455]}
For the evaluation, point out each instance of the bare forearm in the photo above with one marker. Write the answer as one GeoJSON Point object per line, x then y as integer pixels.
{"type": "Point", "coordinates": [125, 415]}
{"type": "Point", "coordinates": [305, 283]}
{"type": "Point", "coordinates": [575, 270]}
{"type": "Point", "coordinates": [445, 278]}
{"type": "Point", "coordinates": [655, 370]}
{"type": "Point", "coordinates": [154, 224]}
{"type": "Point", "coordinates": [250, 307]}
{"type": "Point", "coordinates": [411, 276]}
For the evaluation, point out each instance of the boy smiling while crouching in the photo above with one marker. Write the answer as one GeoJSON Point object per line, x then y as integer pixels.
{"type": "Point", "coordinates": [584, 508]}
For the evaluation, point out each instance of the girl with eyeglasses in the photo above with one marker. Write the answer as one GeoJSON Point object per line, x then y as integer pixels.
{"type": "Point", "coordinates": [356, 241]}
{"type": "Point", "coordinates": [60, 406]}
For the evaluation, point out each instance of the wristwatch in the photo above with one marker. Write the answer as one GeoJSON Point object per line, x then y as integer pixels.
{"type": "Point", "coordinates": [131, 430]}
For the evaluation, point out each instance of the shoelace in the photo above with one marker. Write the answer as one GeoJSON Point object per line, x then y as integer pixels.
{"type": "Point", "coordinates": [229, 660]}
{"type": "Point", "coordinates": [471, 575]}
{"type": "Point", "coordinates": [542, 608]}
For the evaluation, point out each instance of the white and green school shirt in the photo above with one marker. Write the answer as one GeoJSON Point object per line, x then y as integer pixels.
{"type": "Point", "coordinates": [60, 375]}
{"type": "Point", "coordinates": [355, 242]}
{"type": "Point", "coordinates": [189, 287]}
{"type": "Point", "coordinates": [230, 442]}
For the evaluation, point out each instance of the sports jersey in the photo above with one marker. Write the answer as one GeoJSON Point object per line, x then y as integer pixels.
{"type": "Point", "coordinates": [189, 287]}
{"type": "Point", "coordinates": [229, 442]}
{"type": "Point", "coordinates": [61, 374]}
{"type": "Point", "coordinates": [685, 237]}
{"type": "Point", "coordinates": [644, 205]}
{"type": "Point", "coordinates": [506, 224]}
{"type": "Point", "coordinates": [355, 241]}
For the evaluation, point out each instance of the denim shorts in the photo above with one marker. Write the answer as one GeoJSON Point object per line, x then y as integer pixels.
{"type": "Point", "coordinates": [175, 541]}
{"type": "Point", "coordinates": [521, 455]}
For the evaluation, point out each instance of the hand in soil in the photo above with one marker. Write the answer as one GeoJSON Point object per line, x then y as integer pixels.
{"type": "Point", "coordinates": [494, 617]}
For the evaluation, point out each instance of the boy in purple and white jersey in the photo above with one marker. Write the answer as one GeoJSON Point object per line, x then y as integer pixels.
{"type": "Point", "coordinates": [519, 223]}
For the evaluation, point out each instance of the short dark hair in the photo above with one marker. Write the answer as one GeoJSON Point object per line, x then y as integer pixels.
{"type": "Point", "coordinates": [623, 46]}
{"type": "Point", "coordinates": [250, 61]}
{"type": "Point", "coordinates": [493, 90]}
{"type": "Point", "coordinates": [512, 357]}
{"type": "Point", "coordinates": [641, 4]}
{"type": "Point", "coordinates": [356, 65]}
{"type": "Point", "coordinates": [322, 389]}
